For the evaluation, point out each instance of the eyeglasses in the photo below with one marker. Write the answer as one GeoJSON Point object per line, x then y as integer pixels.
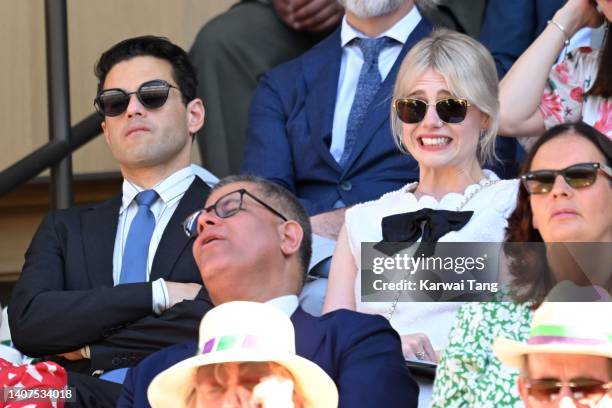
{"type": "Point", "coordinates": [225, 207]}
{"type": "Point", "coordinates": [584, 390]}
{"type": "Point", "coordinates": [450, 110]}
{"type": "Point", "coordinates": [576, 176]}
{"type": "Point", "coordinates": [151, 94]}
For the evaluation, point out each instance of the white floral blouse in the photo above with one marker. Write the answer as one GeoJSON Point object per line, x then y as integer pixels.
{"type": "Point", "coordinates": [469, 374]}
{"type": "Point", "coordinates": [564, 100]}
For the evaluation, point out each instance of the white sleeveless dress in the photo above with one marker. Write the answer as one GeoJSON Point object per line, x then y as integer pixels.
{"type": "Point", "coordinates": [492, 205]}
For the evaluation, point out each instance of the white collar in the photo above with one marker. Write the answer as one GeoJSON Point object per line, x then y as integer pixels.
{"type": "Point", "coordinates": [287, 304]}
{"type": "Point", "coordinates": [167, 189]}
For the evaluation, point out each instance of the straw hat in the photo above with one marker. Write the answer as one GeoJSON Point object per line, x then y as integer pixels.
{"type": "Point", "coordinates": [241, 332]}
{"type": "Point", "coordinates": [583, 328]}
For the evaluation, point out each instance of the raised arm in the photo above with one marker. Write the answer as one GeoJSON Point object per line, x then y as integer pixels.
{"type": "Point", "coordinates": [342, 275]}
{"type": "Point", "coordinates": [522, 88]}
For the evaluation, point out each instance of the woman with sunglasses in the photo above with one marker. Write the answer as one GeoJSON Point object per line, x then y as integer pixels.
{"type": "Point", "coordinates": [535, 94]}
{"type": "Point", "coordinates": [444, 114]}
{"type": "Point", "coordinates": [565, 197]}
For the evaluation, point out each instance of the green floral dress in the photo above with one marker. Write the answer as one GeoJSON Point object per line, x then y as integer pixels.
{"type": "Point", "coordinates": [469, 374]}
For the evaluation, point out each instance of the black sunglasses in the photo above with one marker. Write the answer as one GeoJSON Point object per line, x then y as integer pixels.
{"type": "Point", "coordinates": [151, 94]}
{"type": "Point", "coordinates": [576, 176]}
{"type": "Point", "coordinates": [586, 390]}
{"type": "Point", "coordinates": [450, 110]}
{"type": "Point", "coordinates": [225, 207]}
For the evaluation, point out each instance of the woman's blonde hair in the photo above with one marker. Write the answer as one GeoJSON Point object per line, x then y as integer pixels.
{"type": "Point", "coordinates": [469, 71]}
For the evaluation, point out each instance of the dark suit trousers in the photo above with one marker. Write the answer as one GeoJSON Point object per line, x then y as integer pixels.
{"type": "Point", "coordinates": [93, 392]}
{"type": "Point", "coordinates": [231, 52]}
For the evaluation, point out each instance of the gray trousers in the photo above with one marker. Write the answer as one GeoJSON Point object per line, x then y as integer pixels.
{"type": "Point", "coordinates": [230, 53]}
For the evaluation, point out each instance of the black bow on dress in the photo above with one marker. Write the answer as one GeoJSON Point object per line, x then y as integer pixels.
{"type": "Point", "coordinates": [426, 223]}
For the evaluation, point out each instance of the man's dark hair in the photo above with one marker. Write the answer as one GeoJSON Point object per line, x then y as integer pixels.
{"type": "Point", "coordinates": [284, 202]}
{"type": "Point", "coordinates": [183, 71]}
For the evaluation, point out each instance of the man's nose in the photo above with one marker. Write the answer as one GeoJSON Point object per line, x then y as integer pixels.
{"type": "Point", "coordinates": [206, 219]}
{"type": "Point", "coordinates": [135, 107]}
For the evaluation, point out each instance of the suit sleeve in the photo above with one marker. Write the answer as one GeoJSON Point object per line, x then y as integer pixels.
{"type": "Point", "coordinates": [507, 30]}
{"type": "Point", "coordinates": [268, 152]}
{"type": "Point", "coordinates": [46, 319]}
{"type": "Point", "coordinates": [128, 345]}
{"type": "Point", "coordinates": [372, 369]}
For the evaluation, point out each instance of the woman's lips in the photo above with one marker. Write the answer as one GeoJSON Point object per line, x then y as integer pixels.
{"type": "Point", "coordinates": [562, 213]}
{"type": "Point", "coordinates": [433, 142]}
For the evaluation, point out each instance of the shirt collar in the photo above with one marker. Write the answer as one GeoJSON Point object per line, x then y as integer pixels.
{"type": "Point", "coordinates": [169, 188]}
{"type": "Point", "coordinates": [287, 304]}
{"type": "Point", "coordinates": [399, 31]}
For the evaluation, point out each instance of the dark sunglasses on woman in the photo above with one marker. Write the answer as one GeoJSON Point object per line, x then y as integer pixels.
{"type": "Point", "coordinates": [585, 391]}
{"type": "Point", "coordinates": [151, 94]}
{"type": "Point", "coordinates": [450, 110]}
{"type": "Point", "coordinates": [576, 176]}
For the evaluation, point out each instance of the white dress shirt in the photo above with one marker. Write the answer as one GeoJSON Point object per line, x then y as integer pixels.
{"type": "Point", "coordinates": [350, 67]}
{"type": "Point", "coordinates": [287, 304]}
{"type": "Point", "coordinates": [170, 191]}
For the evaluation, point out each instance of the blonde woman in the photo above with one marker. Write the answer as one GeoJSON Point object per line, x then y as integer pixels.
{"type": "Point", "coordinates": [444, 114]}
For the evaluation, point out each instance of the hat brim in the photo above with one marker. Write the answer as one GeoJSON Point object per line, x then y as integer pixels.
{"type": "Point", "coordinates": [512, 353]}
{"type": "Point", "coordinates": [174, 386]}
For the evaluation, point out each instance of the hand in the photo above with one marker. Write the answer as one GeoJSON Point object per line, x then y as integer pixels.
{"type": "Point", "coordinates": [73, 355]}
{"type": "Point", "coordinates": [273, 392]}
{"type": "Point", "coordinates": [179, 291]}
{"type": "Point", "coordinates": [328, 224]}
{"type": "Point", "coordinates": [309, 15]}
{"type": "Point", "coordinates": [577, 14]}
{"type": "Point", "coordinates": [418, 343]}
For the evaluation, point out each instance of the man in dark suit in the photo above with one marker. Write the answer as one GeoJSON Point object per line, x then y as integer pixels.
{"type": "Point", "coordinates": [319, 125]}
{"type": "Point", "coordinates": [253, 243]}
{"type": "Point", "coordinates": [261, 34]}
{"type": "Point", "coordinates": [105, 285]}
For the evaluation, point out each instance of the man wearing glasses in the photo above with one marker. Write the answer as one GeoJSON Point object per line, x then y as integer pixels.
{"type": "Point", "coordinates": [105, 285]}
{"type": "Point", "coordinates": [252, 242]}
{"type": "Point", "coordinates": [567, 360]}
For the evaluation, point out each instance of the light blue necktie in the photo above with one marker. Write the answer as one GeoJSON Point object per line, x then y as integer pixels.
{"type": "Point", "coordinates": [135, 256]}
{"type": "Point", "coordinates": [367, 86]}
{"type": "Point", "coordinates": [136, 251]}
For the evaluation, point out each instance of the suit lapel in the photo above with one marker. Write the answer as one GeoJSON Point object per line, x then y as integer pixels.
{"type": "Point", "coordinates": [307, 333]}
{"type": "Point", "coordinates": [174, 240]}
{"type": "Point", "coordinates": [321, 68]}
{"type": "Point", "coordinates": [378, 111]}
{"type": "Point", "coordinates": [99, 230]}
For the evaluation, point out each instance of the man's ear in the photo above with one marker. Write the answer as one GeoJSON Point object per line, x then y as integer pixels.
{"type": "Point", "coordinates": [291, 235]}
{"type": "Point", "coordinates": [105, 132]}
{"type": "Point", "coordinates": [195, 115]}
{"type": "Point", "coordinates": [521, 384]}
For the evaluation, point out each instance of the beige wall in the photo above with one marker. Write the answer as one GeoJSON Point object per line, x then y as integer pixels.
{"type": "Point", "coordinates": [93, 26]}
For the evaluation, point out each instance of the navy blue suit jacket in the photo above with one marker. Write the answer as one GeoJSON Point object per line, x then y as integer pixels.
{"type": "Point", "coordinates": [290, 130]}
{"type": "Point", "coordinates": [65, 297]}
{"type": "Point", "coordinates": [360, 352]}
{"type": "Point", "coordinates": [509, 27]}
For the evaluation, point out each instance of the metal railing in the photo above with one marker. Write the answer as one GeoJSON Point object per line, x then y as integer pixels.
{"type": "Point", "coordinates": [63, 140]}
